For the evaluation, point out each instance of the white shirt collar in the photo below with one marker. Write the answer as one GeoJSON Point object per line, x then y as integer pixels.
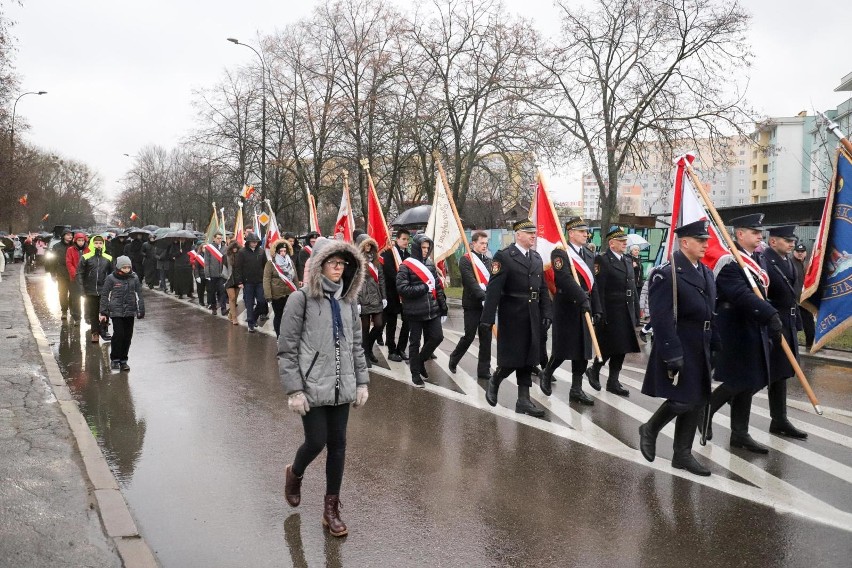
{"type": "Point", "coordinates": [522, 249]}
{"type": "Point", "coordinates": [618, 256]}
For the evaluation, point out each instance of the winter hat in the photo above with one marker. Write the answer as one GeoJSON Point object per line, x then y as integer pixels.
{"type": "Point", "coordinates": [122, 262]}
{"type": "Point", "coordinates": [79, 236]}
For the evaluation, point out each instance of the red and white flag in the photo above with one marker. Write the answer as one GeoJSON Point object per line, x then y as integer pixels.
{"type": "Point", "coordinates": [377, 227]}
{"type": "Point", "coordinates": [687, 208]}
{"type": "Point", "coordinates": [443, 226]}
{"type": "Point", "coordinates": [550, 237]}
{"type": "Point", "coordinates": [238, 227]}
{"type": "Point", "coordinates": [133, 216]}
{"type": "Point", "coordinates": [345, 223]}
{"type": "Point", "coordinates": [272, 231]}
{"type": "Point", "coordinates": [247, 192]}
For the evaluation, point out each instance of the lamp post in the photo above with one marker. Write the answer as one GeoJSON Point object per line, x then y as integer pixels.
{"type": "Point", "coordinates": [141, 192]}
{"type": "Point", "coordinates": [12, 137]}
{"type": "Point", "coordinates": [263, 117]}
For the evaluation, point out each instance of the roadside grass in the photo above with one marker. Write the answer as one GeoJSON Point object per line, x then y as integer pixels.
{"type": "Point", "coordinates": [843, 343]}
{"type": "Point", "coordinates": [454, 292]}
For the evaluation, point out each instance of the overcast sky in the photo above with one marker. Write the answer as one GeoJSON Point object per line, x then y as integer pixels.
{"type": "Point", "coordinates": [120, 74]}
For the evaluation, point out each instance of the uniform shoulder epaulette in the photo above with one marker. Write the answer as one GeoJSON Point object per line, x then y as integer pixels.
{"type": "Point", "coordinates": [659, 272]}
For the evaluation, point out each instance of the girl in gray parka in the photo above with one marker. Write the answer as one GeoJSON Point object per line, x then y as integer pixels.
{"type": "Point", "coordinates": [322, 366]}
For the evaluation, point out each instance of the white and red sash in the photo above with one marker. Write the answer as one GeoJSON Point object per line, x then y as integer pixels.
{"type": "Point", "coordinates": [583, 270]}
{"type": "Point", "coordinates": [280, 271]}
{"type": "Point", "coordinates": [755, 268]}
{"type": "Point", "coordinates": [374, 272]}
{"type": "Point", "coordinates": [482, 274]}
{"type": "Point", "coordinates": [214, 252]}
{"type": "Point", "coordinates": [197, 258]}
{"type": "Point", "coordinates": [423, 273]}
{"type": "Point", "coordinates": [308, 248]}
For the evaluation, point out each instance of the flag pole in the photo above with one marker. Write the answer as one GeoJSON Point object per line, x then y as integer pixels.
{"type": "Point", "coordinates": [834, 128]}
{"type": "Point", "coordinates": [589, 325]}
{"type": "Point", "coordinates": [365, 163]}
{"type": "Point", "coordinates": [348, 203]}
{"type": "Point", "coordinates": [735, 251]}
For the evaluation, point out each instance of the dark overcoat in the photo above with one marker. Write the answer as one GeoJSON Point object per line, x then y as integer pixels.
{"type": "Point", "coordinates": [472, 293]}
{"type": "Point", "coordinates": [783, 282]}
{"type": "Point", "coordinates": [693, 337]}
{"type": "Point", "coordinates": [518, 291]}
{"type": "Point", "coordinates": [741, 316]}
{"type": "Point", "coordinates": [390, 269]}
{"type": "Point", "coordinates": [619, 304]}
{"type": "Point", "coordinates": [571, 337]}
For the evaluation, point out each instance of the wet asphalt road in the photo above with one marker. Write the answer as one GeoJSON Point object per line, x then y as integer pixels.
{"type": "Point", "coordinates": [198, 435]}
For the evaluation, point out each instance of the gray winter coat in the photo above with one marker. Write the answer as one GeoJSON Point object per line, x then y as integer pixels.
{"type": "Point", "coordinates": [372, 292]}
{"type": "Point", "coordinates": [121, 296]}
{"type": "Point", "coordinates": [306, 349]}
{"type": "Point", "coordinates": [212, 266]}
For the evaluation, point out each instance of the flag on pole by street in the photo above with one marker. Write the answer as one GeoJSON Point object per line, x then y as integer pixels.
{"type": "Point", "coordinates": [134, 216]}
{"type": "Point", "coordinates": [550, 237]}
{"type": "Point", "coordinates": [247, 192]}
{"type": "Point", "coordinates": [345, 224]}
{"type": "Point", "coordinates": [222, 221]}
{"type": "Point", "coordinates": [23, 199]}
{"type": "Point", "coordinates": [313, 217]}
{"type": "Point", "coordinates": [377, 227]}
{"type": "Point", "coordinates": [828, 280]}
{"type": "Point", "coordinates": [272, 231]}
{"type": "Point", "coordinates": [213, 226]}
{"type": "Point", "coordinates": [443, 226]}
{"type": "Point", "coordinates": [238, 227]}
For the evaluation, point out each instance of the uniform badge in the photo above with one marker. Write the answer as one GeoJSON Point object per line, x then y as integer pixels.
{"type": "Point", "coordinates": [597, 268]}
{"type": "Point", "coordinates": [557, 263]}
{"type": "Point", "coordinates": [495, 267]}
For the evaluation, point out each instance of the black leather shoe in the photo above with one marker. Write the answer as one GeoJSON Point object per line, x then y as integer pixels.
{"type": "Point", "coordinates": [528, 407]}
{"type": "Point", "coordinates": [423, 372]}
{"type": "Point", "coordinates": [746, 442]}
{"type": "Point", "coordinates": [581, 397]}
{"type": "Point", "coordinates": [690, 464]}
{"type": "Point", "coordinates": [372, 358]}
{"type": "Point", "coordinates": [594, 378]}
{"type": "Point", "coordinates": [395, 356]}
{"type": "Point", "coordinates": [785, 428]}
{"type": "Point", "coordinates": [647, 443]}
{"type": "Point", "coordinates": [616, 388]}
{"type": "Point", "coordinates": [453, 366]}
{"type": "Point", "coordinates": [535, 370]}
{"type": "Point", "coordinates": [491, 391]}
{"type": "Point", "coordinates": [418, 382]}
{"type": "Point", "coordinates": [404, 355]}
{"type": "Point", "coordinates": [544, 381]}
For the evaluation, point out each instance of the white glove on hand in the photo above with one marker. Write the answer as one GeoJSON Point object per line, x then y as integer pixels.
{"type": "Point", "coordinates": [443, 319]}
{"type": "Point", "coordinates": [298, 403]}
{"type": "Point", "coordinates": [198, 280]}
{"type": "Point", "coordinates": [359, 309]}
{"type": "Point", "coordinates": [361, 396]}
{"type": "Point", "coordinates": [384, 304]}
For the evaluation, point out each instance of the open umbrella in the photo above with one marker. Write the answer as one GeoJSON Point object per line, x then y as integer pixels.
{"type": "Point", "coordinates": [634, 239]}
{"type": "Point", "coordinates": [171, 236]}
{"type": "Point", "coordinates": [151, 228]}
{"type": "Point", "coordinates": [415, 216]}
{"type": "Point", "coordinates": [145, 233]}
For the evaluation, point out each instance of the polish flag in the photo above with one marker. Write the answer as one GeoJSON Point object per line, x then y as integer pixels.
{"type": "Point", "coordinates": [133, 216]}
{"type": "Point", "coordinates": [238, 227]}
{"type": "Point", "coordinates": [272, 231]}
{"type": "Point", "coordinates": [377, 227]}
{"type": "Point", "coordinates": [345, 219]}
{"type": "Point", "coordinates": [247, 192]}
{"type": "Point", "coordinates": [550, 237]}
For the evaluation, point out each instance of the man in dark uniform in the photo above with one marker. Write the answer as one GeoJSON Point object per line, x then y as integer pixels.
{"type": "Point", "coordinates": [475, 268]}
{"type": "Point", "coordinates": [746, 323]}
{"type": "Point", "coordinates": [783, 283]}
{"type": "Point", "coordinates": [616, 284]}
{"type": "Point", "coordinates": [397, 253]}
{"type": "Point", "coordinates": [518, 289]}
{"type": "Point", "coordinates": [679, 366]}
{"type": "Point", "coordinates": [571, 338]}
{"type": "Point", "coordinates": [800, 255]}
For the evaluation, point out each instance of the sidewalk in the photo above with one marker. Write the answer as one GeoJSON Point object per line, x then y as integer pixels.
{"type": "Point", "coordinates": [49, 510]}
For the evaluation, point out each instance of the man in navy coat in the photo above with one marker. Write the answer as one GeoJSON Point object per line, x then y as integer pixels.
{"type": "Point", "coordinates": [684, 339]}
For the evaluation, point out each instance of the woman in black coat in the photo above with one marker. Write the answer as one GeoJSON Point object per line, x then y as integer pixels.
{"type": "Point", "coordinates": [182, 269]}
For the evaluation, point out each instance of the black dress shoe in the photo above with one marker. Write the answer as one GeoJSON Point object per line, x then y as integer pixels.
{"type": "Point", "coordinates": [785, 428]}
{"type": "Point", "coordinates": [746, 442]}
{"type": "Point", "coordinates": [528, 407]}
{"type": "Point", "coordinates": [690, 464]}
{"type": "Point", "coordinates": [453, 366]}
{"type": "Point", "coordinates": [616, 388]}
{"type": "Point", "coordinates": [418, 382]}
{"type": "Point", "coordinates": [544, 382]}
{"type": "Point", "coordinates": [395, 356]}
{"type": "Point", "coordinates": [594, 378]}
{"type": "Point", "coordinates": [491, 391]}
{"type": "Point", "coordinates": [647, 443]}
{"type": "Point", "coordinates": [423, 372]}
{"type": "Point", "coordinates": [372, 358]}
{"type": "Point", "coordinates": [581, 397]}
{"type": "Point", "coordinates": [404, 355]}
{"type": "Point", "coordinates": [380, 341]}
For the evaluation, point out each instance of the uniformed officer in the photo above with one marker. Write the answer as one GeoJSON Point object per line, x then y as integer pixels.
{"type": "Point", "coordinates": [800, 255]}
{"type": "Point", "coordinates": [616, 331]}
{"type": "Point", "coordinates": [684, 337]}
{"type": "Point", "coordinates": [475, 269]}
{"type": "Point", "coordinates": [571, 338]}
{"type": "Point", "coordinates": [518, 290]}
{"type": "Point", "coordinates": [783, 283]}
{"type": "Point", "coordinates": [746, 322]}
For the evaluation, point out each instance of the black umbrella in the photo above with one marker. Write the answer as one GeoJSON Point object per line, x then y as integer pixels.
{"type": "Point", "coordinates": [144, 232]}
{"type": "Point", "coordinates": [151, 228]}
{"type": "Point", "coordinates": [172, 236]}
{"type": "Point", "coordinates": [415, 216]}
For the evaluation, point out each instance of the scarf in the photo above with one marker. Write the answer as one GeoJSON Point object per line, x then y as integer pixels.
{"type": "Point", "coordinates": [283, 261]}
{"type": "Point", "coordinates": [333, 291]}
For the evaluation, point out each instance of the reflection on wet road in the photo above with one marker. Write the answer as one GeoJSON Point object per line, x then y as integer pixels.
{"type": "Point", "coordinates": [198, 435]}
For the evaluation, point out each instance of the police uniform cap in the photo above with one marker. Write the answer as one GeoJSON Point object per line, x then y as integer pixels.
{"type": "Point", "coordinates": [524, 225]}
{"type": "Point", "coordinates": [616, 232]}
{"type": "Point", "coordinates": [696, 230]}
{"type": "Point", "coordinates": [576, 223]}
{"type": "Point", "coordinates": [784, 231]}
{"type": "Point", "coordinates": [801, 248]}
{"type": "Point", "coordinates": [753, 221]}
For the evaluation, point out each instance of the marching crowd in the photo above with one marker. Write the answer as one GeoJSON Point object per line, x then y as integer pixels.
{"type": "Point", "coordinates": [333, 301]}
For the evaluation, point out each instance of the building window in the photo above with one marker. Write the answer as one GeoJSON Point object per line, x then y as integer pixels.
{"type": "Point", "coordinates": [754, 185]}
{"type": "Point", "coordinates": [754, 154]}
{"type": "Point", "coordinates": [765, 168]}
{"type": "Point", "coordinates": [763, 184]}
{"type": "Point", "coordinates": [754, 169]}
{"type": "Point", "coordinates": [741, 201]}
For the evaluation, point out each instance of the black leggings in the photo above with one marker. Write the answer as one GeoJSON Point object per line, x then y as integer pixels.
{"type": "Point", "coordinates": [368, 336]}
{"type": "Point", "coordinates": [278, 306]}
{"type": "Point", "coordinates": [325, 426]}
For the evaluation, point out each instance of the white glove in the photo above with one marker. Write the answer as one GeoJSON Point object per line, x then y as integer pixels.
{"type": "Point", "coordinates": [198, 279]}
{"type": "Point", "coordinates": [298, 403]}
{"type": "Point", "coordinates": [443, 319]}
{"type": "Point", "coordinates": [384, 304]}
{"type": "Point", "coordinates": [361, 396]}
{"type": "Point", "coordinates": [359, 309]}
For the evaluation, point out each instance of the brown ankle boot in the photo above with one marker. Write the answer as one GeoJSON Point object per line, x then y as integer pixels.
{"type": "Point", "coordinates": [331, 516]}
{"type": "Point", "coordinates": [292, 486]}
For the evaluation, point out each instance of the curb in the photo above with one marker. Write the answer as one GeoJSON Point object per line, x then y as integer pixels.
{"type": "Point", "coordinates": [115, 516]}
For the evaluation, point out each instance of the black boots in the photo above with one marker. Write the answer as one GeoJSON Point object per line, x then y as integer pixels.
{"type": "Point", "coordinates": [612, 384]}
{"type": "Point", "coordinates": [545, 377]}
{"type": "Point", "coordinates": [648, 432]}
{"type": "Point", "coordinates": [593, 373]}
{"type": "Point", "coordinates": [525, 405]}
{"type": "Point", "coordinates": [494, 386]}
{"type": "Point", "coordinates": [685, 426]}
{"type": "Point", "coordinates": [576, 393]}
{"type": "Point", "coordinates": [780, 425]}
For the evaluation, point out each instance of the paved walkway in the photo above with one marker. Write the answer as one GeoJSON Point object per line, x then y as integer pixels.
{"type": "Point", "coordinates": [47, 510]}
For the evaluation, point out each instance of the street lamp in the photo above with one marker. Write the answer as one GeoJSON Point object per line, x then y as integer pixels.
{"type": "Point", "coordinates": [141, 191]}
{"type": "Point", "coordinates": [12, 135]}
{"type": "Point", "coordinates": [263, 117]}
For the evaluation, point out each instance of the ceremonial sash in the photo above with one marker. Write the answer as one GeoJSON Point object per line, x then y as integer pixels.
{"type": "Point", "coordinates": [583, 270]}
{"type": "Point", "coordinates": [309, 249]}
{"type": "Point", "coordinates": [213, 251]}
{"type": "Point", "coordinates": [197, 258]}
{"type": "Point", "coordinates": [397, 259]}
{"type": "Point", "coordinates": [373, 272]}
{"type": "Point", "coordinates": [479, 269]}
{"type": "Point", "coordinates": [423, 273]}
{"type": "Point", "coordinates": [755, 268]}
{"type": "Point", "coordinates": [287, 281]}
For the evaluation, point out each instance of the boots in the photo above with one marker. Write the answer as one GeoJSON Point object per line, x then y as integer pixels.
{"type": "Point", "coordinates": [685, 427]}
{"type": "Point", "coordinates": [576, 393]}
{"type": "Point", "coordinates": [648, 432]}
{"type": "Point", "coordinates": [593, 373]}
{"type": "Point", "coordinates": [494, 386]}
{"type": "Point", "coordinates": [780, 425]}
{"type": "Point", "coordinates": [525, 405]}
{"type": "Point", "coordinates": [612, 384]}
{"type": "Point", "coordinates": [544, 380]}
{"type": "Point", "coordinates": [331, 516]}
{"type": "Point", "coordinates": [292, 486]}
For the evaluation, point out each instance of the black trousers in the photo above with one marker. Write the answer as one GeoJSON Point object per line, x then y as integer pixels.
{"type": "Point", "coordinates": [807, 326]}
{"type": "Point", "coordinates": [122, 333]}
{"type": "Point", "coordinates": [778, 400]}
{"type": "Point", "coordinates": [740, 401]}
{"type": "Point", "coordinates": [93, 305]}
{"type": "Point", "coordinates": [75, 299]}
{"type": "Point", "coordinates": [278, 306]}
{"type": "Point", "coordinates": [216, 293]}
{"type": "Point", "coordinates": [471, 329]}
{"type": "Point", "coordinates": [325, 426]}
{"type": "Point", "coordinates": [200, 289]}
{"type": "Point", "coordinates": [390, 331]}
{"type": "Point", "coordinates": [64, 286]}
{"type": "Point", "coordinates": [578, 367]}
{"type": "Point", "coordinates": [522, 374]}
{"type": "Point", "coordinates": [432, 334]}
{"type": "Point", "coordinates": [616, 361]}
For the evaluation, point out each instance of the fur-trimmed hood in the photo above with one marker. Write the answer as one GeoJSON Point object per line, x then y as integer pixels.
{"type": "Point", "coordinates": [353, 274]}
{"type": "Point", "coordinates": [285, 242]}
{"type": "Point", "coordinates": [364, 243]}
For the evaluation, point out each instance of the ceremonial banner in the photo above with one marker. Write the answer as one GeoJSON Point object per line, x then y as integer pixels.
{"type": "Point", "coordinates": [377, 228]}
{"type": "Point", "coordinates": [345, 223]}
{"type": "Point", "coordinates": [550, 237]}
{"type": "Point", "coordinates": [443, 226]}
{"type": "Point", "coordinates": [828, 282]}
{"type": "Point", "coordinates": [272, 231]}
{"type": "Point", "coordinates": [213, 226]}
{"type": "Point", "coordinates": [238, 227]}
